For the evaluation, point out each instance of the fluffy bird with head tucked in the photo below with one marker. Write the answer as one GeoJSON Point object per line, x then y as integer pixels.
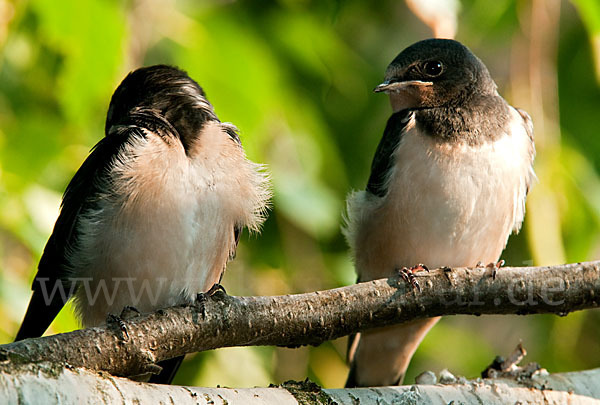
{"type": "Point", "coordinates": [154, 213]}
{"type": "Point", "coordinates": [447, 187]}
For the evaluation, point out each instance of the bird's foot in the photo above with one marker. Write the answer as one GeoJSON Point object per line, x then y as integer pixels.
{"type": "Point", "coordinates": [216, 288]}
{"type": "Point", "coordinates": [408, 275]}
{"type": "Point", "coordinates": [494, 267]}
{"type": "Point", "coordinates": [115, 322]}
{"type": "Point", "coordinates": [129, 312]}
{"type": "Point", "coordinates": [202, 298]}
{"type": "Point", "coordinates": [418, 267]}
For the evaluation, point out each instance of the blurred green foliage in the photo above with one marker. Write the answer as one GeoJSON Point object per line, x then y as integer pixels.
{"type": "Point", "coordinates": [296, 78]}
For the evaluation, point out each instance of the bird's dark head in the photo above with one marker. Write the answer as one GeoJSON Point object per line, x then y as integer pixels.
{"type": "Point", "coordinates": [165, 90]}
{"type": "Point", "coordinates": [435, 73]}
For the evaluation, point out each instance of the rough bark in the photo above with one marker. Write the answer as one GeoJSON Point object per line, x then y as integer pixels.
{"type": "Point", "coordinates": [133, 347]}
{"type": "Point", "coordinates": [45, 383]}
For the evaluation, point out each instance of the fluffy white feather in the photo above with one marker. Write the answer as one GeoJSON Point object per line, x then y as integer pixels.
{"type": "Point", "coordinates": [167, 223]}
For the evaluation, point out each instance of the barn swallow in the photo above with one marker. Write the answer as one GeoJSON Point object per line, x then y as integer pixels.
{"type": "Point", "coordinates": [155, 212]}
{"type": "Point", "coordinates": [447, 187]}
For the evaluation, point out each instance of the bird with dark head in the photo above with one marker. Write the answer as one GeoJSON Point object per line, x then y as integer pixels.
{"type": "Point", "coordinates": [447, 187]}
{"type": "Point", "coordinates": [154, 213]}
{"type": "Point", "coordinates": [435, 73]}
{"type": "Point", "coordinates": [168, 91]}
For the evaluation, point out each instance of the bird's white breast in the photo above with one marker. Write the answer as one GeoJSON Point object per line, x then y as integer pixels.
{"type": "Point", "coordinates": [165, 229]}
{"type": "Point", "coordinates": [448, 203]}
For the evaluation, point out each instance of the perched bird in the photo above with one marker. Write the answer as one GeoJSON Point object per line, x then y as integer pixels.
{"type": "Point", "coordinates": [154, 213]}
{"type": "Point", "coordinates": [447, 187]}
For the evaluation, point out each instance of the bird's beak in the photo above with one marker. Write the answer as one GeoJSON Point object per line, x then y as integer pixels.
{"type": "Point", "coordinates": [406, 94]}
{"type": "Point", "coordinates": [397, 87]}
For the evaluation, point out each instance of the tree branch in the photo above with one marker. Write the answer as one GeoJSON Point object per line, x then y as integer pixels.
{"type": "Point", "coordinates": [133, 347]}
{"type": "Point", "coordinates": [46, 383]}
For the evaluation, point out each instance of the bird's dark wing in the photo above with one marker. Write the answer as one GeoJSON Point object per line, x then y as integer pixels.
{"type": "Point", "coordinates": [527, 122]}
{"type": "Point", "coordinates": [237, 232]}
{"type": "Point", "coordinates": [351, 379]}
{"type": "Point", "coordinates": [232, 131]}
{"type": "Point", "coordinates": [51, 286]}
{"type": "Point", "coordinates": [528, 125]}
{"type": "Point", "coordinates": [353, 340]}
{"type": "Point", "coordinates": [383, 160]}
{"type": "Point", "coordinates": [169, 369]}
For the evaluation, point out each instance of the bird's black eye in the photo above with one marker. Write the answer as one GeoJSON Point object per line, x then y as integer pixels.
{"type": "Point", "coordinates": [433, 68]}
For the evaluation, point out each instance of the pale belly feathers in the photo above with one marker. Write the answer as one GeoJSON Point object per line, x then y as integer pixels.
{"type": "Point", "coordinates": [165, 232]}
{"type": "Point", "coordinates": [448, 204]}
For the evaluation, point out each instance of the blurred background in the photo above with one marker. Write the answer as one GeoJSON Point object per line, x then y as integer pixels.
{"type": "Point", "coordinates": [296, 77]}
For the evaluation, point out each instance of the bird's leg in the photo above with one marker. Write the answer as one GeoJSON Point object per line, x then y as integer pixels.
{"type": "Point", "coordinates": [202, 297]}
{"type": "Point", "coordinates": [407, 274]}
{"type": "Point", "coordinates": [495, 267]}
